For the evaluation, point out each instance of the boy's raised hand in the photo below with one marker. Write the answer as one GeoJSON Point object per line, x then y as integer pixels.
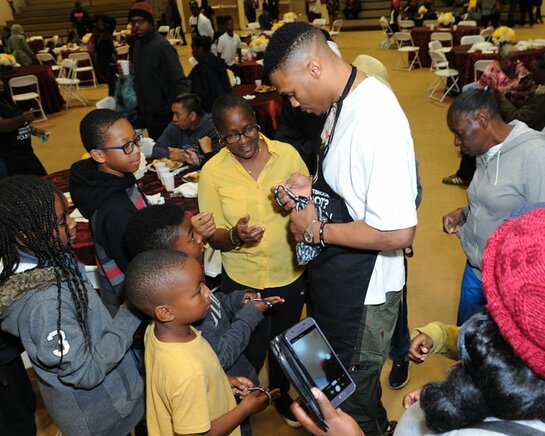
{"type": "Point", "coordinates": [203, 224]}
{"type": "Point", "coordinates": [257, 401]}
{"type": "Point", "coordinates": [420, 347]}
{"type": "Point", "coordinates": [239, 385]}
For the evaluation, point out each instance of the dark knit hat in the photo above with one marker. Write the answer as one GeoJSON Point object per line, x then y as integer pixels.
{"type": "Point", "coordinates": [513, 271]}
{"type": "Point", "coordinates": [141, 9]}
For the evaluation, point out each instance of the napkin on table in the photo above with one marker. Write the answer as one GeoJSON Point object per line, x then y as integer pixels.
{"type": "Point", "coordinates": [187, 190]}
{"type": "Point", "coordinates": [155, 199]}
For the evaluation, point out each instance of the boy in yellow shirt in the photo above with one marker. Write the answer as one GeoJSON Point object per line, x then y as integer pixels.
{"type": "Point", "coordinates": [187, 391]}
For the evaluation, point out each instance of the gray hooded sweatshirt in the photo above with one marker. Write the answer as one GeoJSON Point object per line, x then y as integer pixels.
{"type": "Point", "coordinates": [95, 391]}
{"type": "Point", "coordinates": [511, 178]}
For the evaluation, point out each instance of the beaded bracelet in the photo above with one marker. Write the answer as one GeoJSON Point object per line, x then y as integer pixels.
{"type": "Point", "coordinates": [322, 242]}
{"type": "Point", "coordinates": [235, 239]}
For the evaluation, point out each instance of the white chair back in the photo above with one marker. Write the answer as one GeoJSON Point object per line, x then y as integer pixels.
{"type": "Point", "coordinates": [336, 27]}
{"type": "Point", "coordinates": [45, 58]}
{"type": "Point", "coordinates": [434, 45]}
{"type": "Point", "coordinates": [26, 82]}
{"type": "Point", "coordinates": [471, 39]}
{"type": "Point", "coordinates": [371, 66]}
{"type": "Point", "coordinates": [406, 24]}
{"type": "Point", "coordinates": [429, 23]}
{"type": "Point", "coordinates": [479, 67]}
{"type": "Point", "coordinates": [443, 37]}
{"type": "Point", "coordinates": [163, 30]}
{"type": "Point", "coordinates": [467, 23]}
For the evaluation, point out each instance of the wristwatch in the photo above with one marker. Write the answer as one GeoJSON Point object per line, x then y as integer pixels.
{"type": "Point", "coordinates": [308, 234]}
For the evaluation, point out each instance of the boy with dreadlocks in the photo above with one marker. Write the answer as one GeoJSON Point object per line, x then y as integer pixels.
{"type": "Point", "coordinates": [105, 191]}
{"type": "Point", "coordinates": [89, 382]}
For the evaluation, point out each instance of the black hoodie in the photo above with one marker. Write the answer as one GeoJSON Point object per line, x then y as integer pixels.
{"type": "Point", "coordinates": [105, 200]}
{"type": "Point", "coordinates": [209, 79]}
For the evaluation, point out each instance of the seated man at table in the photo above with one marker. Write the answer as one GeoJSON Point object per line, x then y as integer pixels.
{"type": "Point", "coordinates": [209, 77]}
{"type": "Point", "coordinates": [229, 43]}
{"type": "Point", "coordinates": [105, 191]}
{"type": "Point", "coordinates": [191, 136]}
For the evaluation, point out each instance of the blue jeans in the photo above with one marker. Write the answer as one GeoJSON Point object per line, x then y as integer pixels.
{"type": "Point", "coordinates": [471, 298]}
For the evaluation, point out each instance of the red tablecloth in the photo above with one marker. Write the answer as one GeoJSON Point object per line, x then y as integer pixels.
{"type": "Point", "coordinates": [36, 45]}
{"type": "Point", "coordinates": [267, 108]}
{"type": "Point", "coordinates": [421, 37]}
{"type": "Point", "coordinates": [464, 62]}
{"type": "Point", "coordinates": [52, 100]}
{"type": "Point", "coordinates": [83, 244]}
{"type": "Point", "coordinates": [249, 71]}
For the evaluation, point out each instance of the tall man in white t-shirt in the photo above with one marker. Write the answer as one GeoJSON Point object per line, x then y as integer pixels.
{"type": "Point", "coordinates": [366, 182]}
{"type": "Point", "coordinates": [229, 43]}
{"type": "Point", "coordinates": [199, 23]}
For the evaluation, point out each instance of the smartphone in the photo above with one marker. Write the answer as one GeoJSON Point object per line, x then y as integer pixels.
{"type": "Point", "coordinates": [318, 361]}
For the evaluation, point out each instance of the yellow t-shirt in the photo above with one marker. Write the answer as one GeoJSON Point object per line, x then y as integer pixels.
{"type": "Point", "coordinates": [229, 192]}
{"type": "Point", "coordinates": [186, 387]}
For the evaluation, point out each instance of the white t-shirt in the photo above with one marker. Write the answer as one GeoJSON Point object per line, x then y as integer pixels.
{"type": "Point", "coordinates": [203, 25]}
{"type": "Point", "coordinates": [228, 46]}
{"type": "Point", "coordinates": [371, 165]}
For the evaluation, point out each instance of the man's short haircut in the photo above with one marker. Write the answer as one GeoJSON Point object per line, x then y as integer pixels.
{"type": "Point", "coordinates": [150, 276]}
{"type": "Point", "coordinates": [191, 102]}
{"type": "Point", "coordinates": [470, 102]}
{"type": "Point", "coordinates": [94, 126]}
{"type": "Point", "coordinates": [203, 42]}
{"type": "Point", "coordinates": [228, 18]}
{"type": "Point", "coordinates": [153, 228]}
{"type": "Point", "coordinates": [286, 42]}
{"type": "Point", "coordinates": [226, 102]}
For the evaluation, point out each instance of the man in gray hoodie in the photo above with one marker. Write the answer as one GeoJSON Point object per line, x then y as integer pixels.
{"type": "Point", "coordinates": [510, 173]}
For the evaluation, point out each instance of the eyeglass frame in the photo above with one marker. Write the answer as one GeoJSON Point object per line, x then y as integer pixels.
{"type": "Point", "coordinates": [135, 142]}
{"type": "Point", "coordinates": [239, 134]}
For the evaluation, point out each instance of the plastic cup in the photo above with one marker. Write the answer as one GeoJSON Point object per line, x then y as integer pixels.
{"type": "Point", "coordinates": [168, 181]}
{"type": "Point", "coordinates": [161, 173]}
{"type": "Point", "coordinates": [125, 67]}
{"type": "Point", "coordinates": [159, 165]}
{"type": "Point", "coordinates": [258, 83]}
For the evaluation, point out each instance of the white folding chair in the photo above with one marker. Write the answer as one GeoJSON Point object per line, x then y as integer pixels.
{"type": "Point", "coordinates": [86, 68]}
{"type": "Point", "coordinates": [47, 59]}
{"type": "Point", "coordinates": [163, 30]}
{"type": "Point", "coordinates": [25, 82]}
{"type": "Point", "coordinates": [467, 23]}
{"type": "Point", "coordinates": [388, 33]}
{"type": "Point", "coordinates": [122, 52]}
{"type": "Point", "coordinates": [405, 44]}
{"type": "Point", "coordinates": [319, 22]}
{"type": "Point", "coordinates": [336, 27]}
{"type": "Point", "coordinates": [479, 67]}
{"type": "Point", "coordinates": [443, 73]}
{"type": "Point", "coordinates": [487, 33]}
{"type": "Point", "coordinates": [434, 46]}
{"type": "Point", "coordinates": [174, 36]}
{"type": "Point", "coordinates": [68, 82]}
{"type": "Point", "coordinates": [405, 25]}
{"type": "Point", "coordinates": [445, 39]}
{"type": "Point", "coordinates": [429, 23]}
{"type": "Point", "coordinates": [106, 103]}
{"type": "Point", "coordinates": [471, 39]}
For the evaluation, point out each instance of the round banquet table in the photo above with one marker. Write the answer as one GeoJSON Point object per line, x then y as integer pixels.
{"type": "Point", "coordinates": [460, 58]}
{"type": "Point", "coordinates": [421, 37]}
{"type": "Point", "coordinates": [249, 71]}
{"type": "Point", "coordinates": [83, 244]}
{"type": "Point", "coordinates": [267, 108]}
{"type": "Point", "coordinates": [51, 97]}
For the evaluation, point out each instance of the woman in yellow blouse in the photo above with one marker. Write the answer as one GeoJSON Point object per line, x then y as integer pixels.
{"type": "Point", "coordinates": [242, 220]}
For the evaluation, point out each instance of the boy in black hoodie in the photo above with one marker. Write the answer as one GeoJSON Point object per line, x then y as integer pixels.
{"type": "Point", "coordinates": [105, 191]}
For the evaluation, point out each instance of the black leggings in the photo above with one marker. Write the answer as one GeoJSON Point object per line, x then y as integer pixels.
{"type": "Point", "coordinates": [277, 319]}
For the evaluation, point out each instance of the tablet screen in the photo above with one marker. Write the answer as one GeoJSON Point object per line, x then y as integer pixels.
{"type": "Point", "coordinates": [320, 362]}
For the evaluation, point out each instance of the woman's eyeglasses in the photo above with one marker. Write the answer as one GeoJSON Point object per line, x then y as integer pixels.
{"type": "Point", "coordinates": [128, 147]}
{"type": "Point", "coordinates": [249, 132]}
